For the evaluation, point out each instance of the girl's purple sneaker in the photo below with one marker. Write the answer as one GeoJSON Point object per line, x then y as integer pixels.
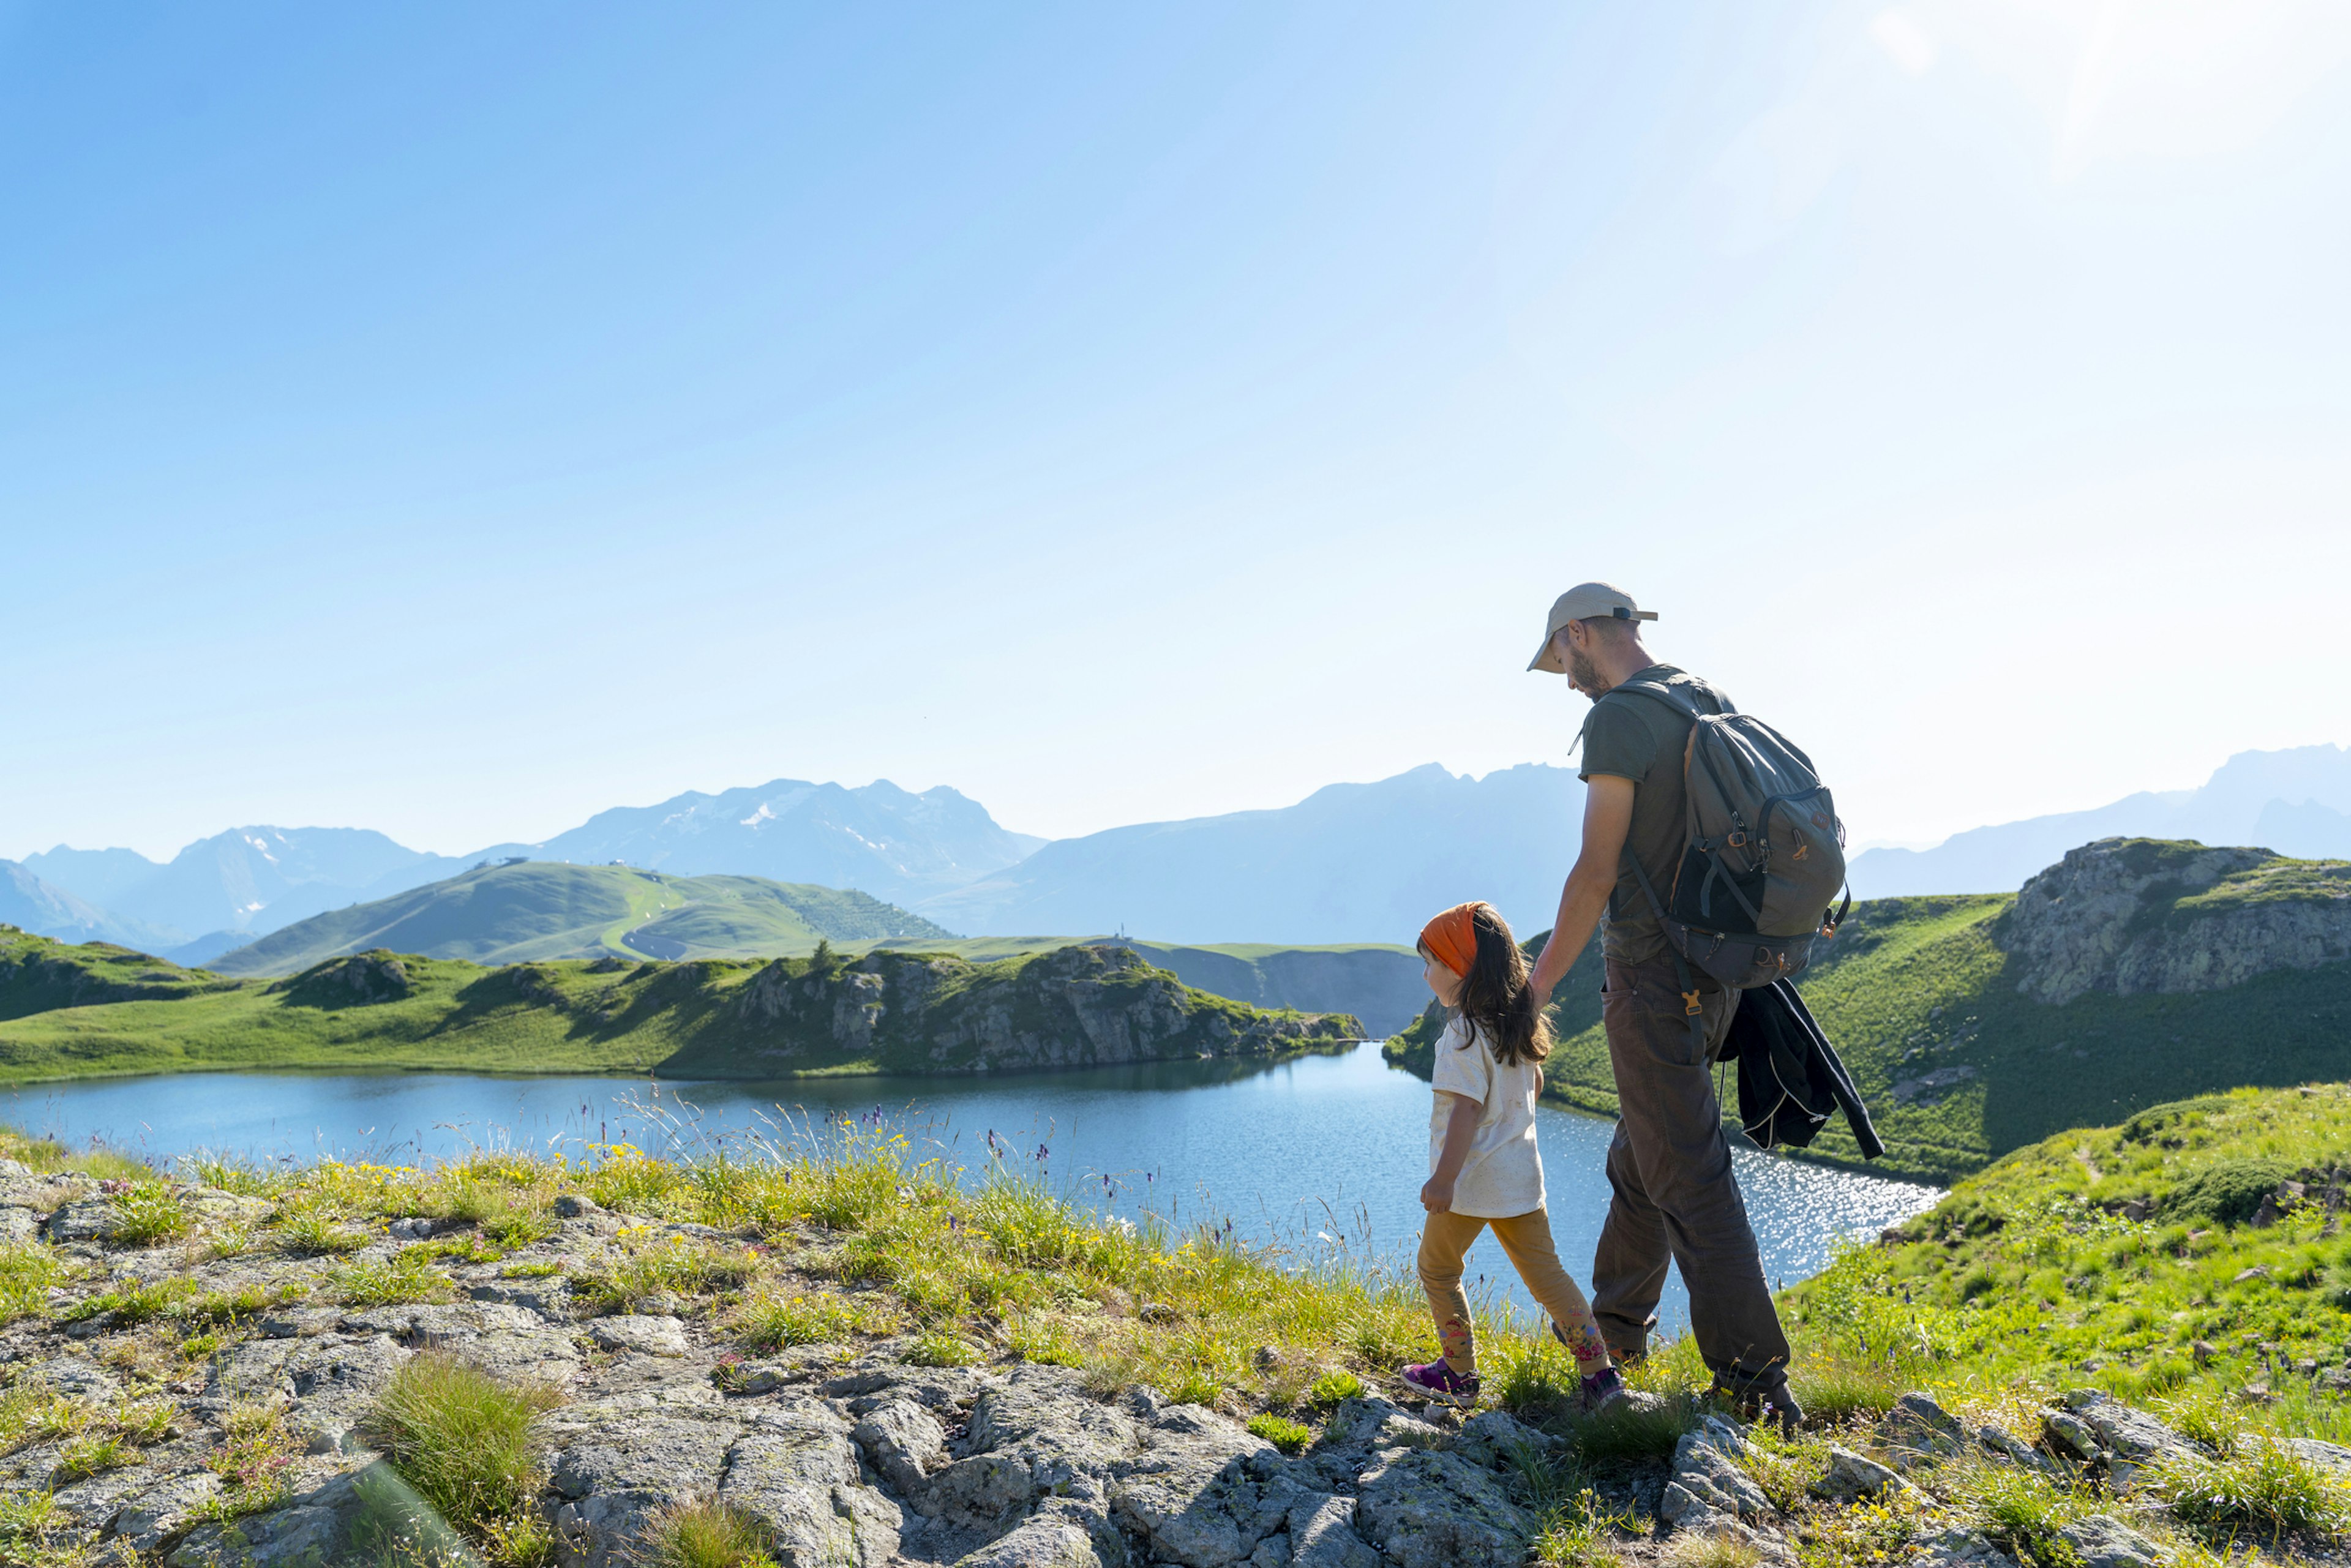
{"type": "Point", "coordinates": [1602, 1391]}
{"type": "Point", "coordinates": [1439, 1381]}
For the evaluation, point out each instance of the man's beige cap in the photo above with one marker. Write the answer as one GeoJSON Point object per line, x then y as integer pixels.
{"type": "Point", "coordinates": [1585, 601]}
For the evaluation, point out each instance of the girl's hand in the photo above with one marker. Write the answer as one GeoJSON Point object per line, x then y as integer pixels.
{"type": "Point", "coordinates": [1436, 1196]}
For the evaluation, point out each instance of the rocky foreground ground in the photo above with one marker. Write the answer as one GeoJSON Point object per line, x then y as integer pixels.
{"type": "Point", "coordinates": [206, 1398]}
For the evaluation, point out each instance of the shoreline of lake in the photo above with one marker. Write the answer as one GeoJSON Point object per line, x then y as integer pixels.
{"type": "Point", "coordinates": [1316, 1150]}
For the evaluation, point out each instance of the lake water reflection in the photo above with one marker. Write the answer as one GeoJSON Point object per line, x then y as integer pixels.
{"type": "Point", "coordinates": [1321, 1151]}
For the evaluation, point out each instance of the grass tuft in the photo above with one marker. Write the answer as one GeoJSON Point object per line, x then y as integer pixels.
{"type": "Point", "coordinates": [462, 1437]}
{"type": "Point", "coordinates": [148, 1212]}
{"type": "Point", "coordinates": [779, 1322]}
{"type": "Point", "coordinates": [1332, 1387]}
{"type": "Point", "coordinates": [27, 1269]}
{"type": "Point", "coordinates": [933, 1348]}
{"type": "Point", "coordinates": [1288, 1436]}
{"type": "Point", "coordinates": [2258, 1482]}
{"type": "Point", "coordinates": [707, 1535]}
{"type": "Point", "coordinates": [397, 1280]}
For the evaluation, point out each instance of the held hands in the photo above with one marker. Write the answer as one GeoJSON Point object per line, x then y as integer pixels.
{"type": "Point", "coordinates": [1437, 1194]}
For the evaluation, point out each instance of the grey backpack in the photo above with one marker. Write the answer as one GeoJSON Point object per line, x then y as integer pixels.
{"type": "Point", "coordinates": [1763, 853]}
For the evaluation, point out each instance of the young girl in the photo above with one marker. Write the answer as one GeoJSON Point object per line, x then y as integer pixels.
{"type": "Point", "coordinates": [1482, 1165]}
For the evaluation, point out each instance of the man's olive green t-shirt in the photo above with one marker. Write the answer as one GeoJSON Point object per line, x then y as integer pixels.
{"type": "Point", "coordinates": [1632, 737]}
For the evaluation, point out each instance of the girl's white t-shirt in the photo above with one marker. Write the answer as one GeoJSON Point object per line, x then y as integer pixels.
{"type": "Point", "coordinates": [1503, 1177]}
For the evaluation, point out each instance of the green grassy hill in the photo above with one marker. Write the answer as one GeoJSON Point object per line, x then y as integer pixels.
{"type": "Point", "coordinates": [1959, 1065]}
{"type": "Point", "coordinates": [76, 1012]}
{"type": "Point", "coordinates": [1378, 982]}
{"type": "Point", "coordinates": [2194, 1246]}
{"type": "Point", "coordinates": [545, 909]}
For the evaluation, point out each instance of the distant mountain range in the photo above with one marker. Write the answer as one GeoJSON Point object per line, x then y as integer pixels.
{"type": "Point", "coordinates": [222, 892]}
{"type": "Point", "coordinates": [2297, 802]}
{"type": "Point", "coordinates": [518, 912]}
{"type": "Point", "coordinates": [1349, 864]}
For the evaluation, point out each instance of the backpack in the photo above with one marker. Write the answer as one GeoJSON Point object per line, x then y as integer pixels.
{"type": "Point", "coordinates": [1763, 853]}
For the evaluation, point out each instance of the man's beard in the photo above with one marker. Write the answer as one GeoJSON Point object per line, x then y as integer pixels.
{"type": "Point", "coordinates": [1584, 673]}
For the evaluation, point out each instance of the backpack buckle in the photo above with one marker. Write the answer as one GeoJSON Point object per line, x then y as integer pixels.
{"type": "Point", "coordinates": [1689, 999]}
{"type": "Point", "coordinates": [1737, 840]}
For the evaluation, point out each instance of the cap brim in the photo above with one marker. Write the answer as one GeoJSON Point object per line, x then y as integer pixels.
{"type": "Point", "coordinates": [1547, 658]}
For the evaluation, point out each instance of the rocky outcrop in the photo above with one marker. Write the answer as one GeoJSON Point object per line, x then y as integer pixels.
{"type": "Point", "coordinates": [363, 978]}
{"type": "Point", "coordinates": [2135, 915]}
{"type": "Point", "coordinates": [845, 1455]}
{"type": "Point", "coordinates": [1073, 1006]}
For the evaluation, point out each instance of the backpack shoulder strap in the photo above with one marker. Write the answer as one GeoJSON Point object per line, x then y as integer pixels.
{"type": "Point", "coordinates": [1683, 700]}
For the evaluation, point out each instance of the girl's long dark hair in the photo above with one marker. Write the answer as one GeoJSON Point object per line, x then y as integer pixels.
{"type": "Point", "coordinates": [1495, 998]}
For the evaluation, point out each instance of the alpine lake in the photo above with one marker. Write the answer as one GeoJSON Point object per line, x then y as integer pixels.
{"type": "Point", "coordinates": [1323, 1156]}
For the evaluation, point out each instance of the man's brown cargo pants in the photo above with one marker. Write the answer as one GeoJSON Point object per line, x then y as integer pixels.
{"type": "Point", "coordinates": [1675, 1198]}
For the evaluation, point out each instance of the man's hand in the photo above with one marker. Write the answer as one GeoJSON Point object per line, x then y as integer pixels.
{"type": "Point", "coordinates": [1437, 1194]}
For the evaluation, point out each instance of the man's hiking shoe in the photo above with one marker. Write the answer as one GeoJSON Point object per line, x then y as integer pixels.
{"type": "Point", "coordinates": [1604, 1390]}
{"type": "Point", "coordinates": [1773, 1403]}
{"type": "Point", "coordinates": [1439, 1381]}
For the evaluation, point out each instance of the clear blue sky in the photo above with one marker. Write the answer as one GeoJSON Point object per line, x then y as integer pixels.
{"type": "Point", "coordinates": [457, 419]}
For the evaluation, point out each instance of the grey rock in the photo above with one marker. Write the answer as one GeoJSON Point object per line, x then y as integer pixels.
{"type": "Point", "coordinates": [1495, 1439]}
{"type": "Point", "coordinates": [162, 1507]}
{"type": "Point", "coordinates": [2072, 1436]}
{"type": "Point", "coordinates": [300, 1323]}
{"type": "Point", "coordinates": [548, 1298]}
{"type": "Point", "coordinates": [2001, 1441]}
{"type": "Point", "coordinates": [1706, 1479]}
{"type": "Point", "coordinates": [795, 1472]}
{"type": "Point", "coordinates": [1036, 1434]}
{"type": "Point", "coordinates": [757, 1377]}
{"type": "Point", "coordinates": [2327, 1455]}
{"type": "Point", "coordinates": [1436, 1511]}
{"type": "Point", "coordinates": [24, 1188]}
{"type": "Point", "coordinates": [1192, 1492]}
{"type": "Point", "coordinates": [334, 1384]}
{"type": "Point", "coordinates": [575, 1206]}
{"type": "Point", "coordinates": [1322, 1534]}
{"type": "Point", "coordinates": [984, 1488]}
{"type": "Point", "coordinates": [2102, 1540]}
{"type": "Point", "coordinates": [284, 1538]}
{"type": "Point", "coordinates": [654, 1452]}
{"type": "Point", "coordinates": [301, 1534]}
{"type": "Point", "coordinates": [905, 1444]}
{"type": "Point", "coordinates": [1852, 1476]}
{"type": "Point", "coordinates": [1047, 1540]}
{"type": "Point", "coordinates": [2078, 926]}
{"type": "Point", "coordinates": [2128, 1434]}
{"type": "Point", "coordinates": [645, 1335]}
{"type": "Point", "coordinates": [1960, 1548]}
{"type": "Point", "coordinates": [867, 1380]}
{"type": "Point", "coordinates": [74, 1377]}
{"type": "Point", "coordinates": [617, 1468]}
{"type": "Point", "coordinates": [92, 1500]}
{"type": "Point", "coordinates": [1370, 1423]}
{"type": "Point", "coordinates": [1921, 1431]}
{"type": "Point", "coordinates": [83, 1219]}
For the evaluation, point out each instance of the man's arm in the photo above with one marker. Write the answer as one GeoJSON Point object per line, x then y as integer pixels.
{"type": "Point", "coordinates": [1607, 817]}
{"type": "Point", "coordinates": [1461, 1126]}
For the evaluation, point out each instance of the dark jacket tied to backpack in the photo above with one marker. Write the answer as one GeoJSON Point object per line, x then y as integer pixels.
{"type": "Point", "coordinates": [1789, 1078]}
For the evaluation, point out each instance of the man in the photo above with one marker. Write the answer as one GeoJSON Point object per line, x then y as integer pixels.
{"type": "Point", "coordinates": [1669, 1164]}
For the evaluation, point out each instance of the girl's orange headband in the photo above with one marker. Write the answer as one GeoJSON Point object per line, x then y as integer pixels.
{"type": "Point", "coordinates": [1452, 938]}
